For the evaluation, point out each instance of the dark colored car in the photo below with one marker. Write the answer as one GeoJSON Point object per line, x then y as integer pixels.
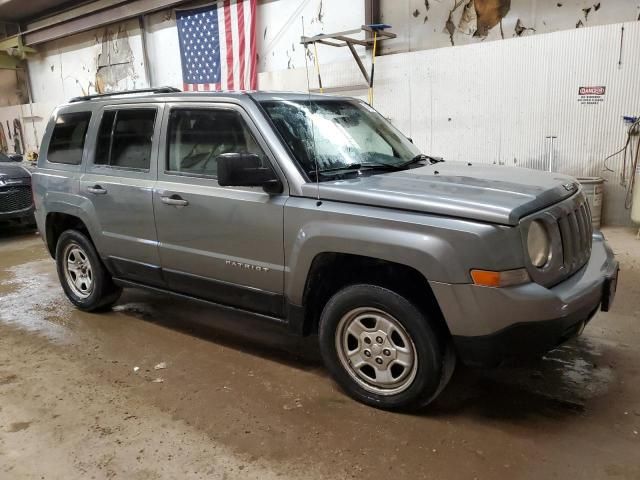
{"type": "Point", "coordinates": [16, 201]}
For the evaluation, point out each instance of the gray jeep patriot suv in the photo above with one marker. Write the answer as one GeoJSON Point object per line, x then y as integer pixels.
{"type": "Point", "coordinates": [314, 212]}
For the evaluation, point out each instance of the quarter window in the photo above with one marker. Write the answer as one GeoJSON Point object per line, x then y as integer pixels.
{"type": "Point", "coordinates": [67, 140]}
{"type": "Point", "coordinates": [196, 137]}
{"type": "Point", "coordinates": [124, 138]}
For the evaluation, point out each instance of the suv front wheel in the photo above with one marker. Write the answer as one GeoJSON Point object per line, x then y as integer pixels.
{"type": "Point", "coordinates": [84, 279]}
{"type": "Point", "coordinates": [382, 349]}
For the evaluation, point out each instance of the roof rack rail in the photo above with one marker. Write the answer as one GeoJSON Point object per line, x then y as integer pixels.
{"type": "Point", "coordinates": [126, 92]}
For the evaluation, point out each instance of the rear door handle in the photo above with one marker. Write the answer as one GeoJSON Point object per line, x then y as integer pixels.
{"type": "Point", "coordinates": [96, 190]}
{"type": "Point", "coordinates": [175, 200]}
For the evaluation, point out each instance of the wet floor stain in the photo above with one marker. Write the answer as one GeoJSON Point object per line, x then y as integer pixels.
{"type": "Point", "coordinates": [31, 291]}
{"type": "Point", "coordinates": [7, 379]}
{"type": "Point", "coordinates": [18, 426]}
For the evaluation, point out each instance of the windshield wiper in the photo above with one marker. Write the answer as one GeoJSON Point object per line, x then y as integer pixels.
{"type": "Point", "coordinates": [353, 167]}
{"type": "Point", "coordinates": [421, 157]}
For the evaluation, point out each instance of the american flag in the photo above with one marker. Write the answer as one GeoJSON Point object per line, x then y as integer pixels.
{"type": "Point", "coordinates": [218, 46]}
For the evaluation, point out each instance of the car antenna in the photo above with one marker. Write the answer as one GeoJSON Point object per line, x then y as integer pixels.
{"type": "Point", "coordinates": [313, 130]}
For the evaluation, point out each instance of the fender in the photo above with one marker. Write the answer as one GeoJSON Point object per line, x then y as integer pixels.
{"type": "Point", "coordinates": [59, 194]}
{"type": "Point", "coordinates": [438, 247]}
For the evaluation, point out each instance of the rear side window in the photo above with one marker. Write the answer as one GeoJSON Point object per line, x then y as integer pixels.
{"type": "Point", "coordinates": [124, 138]}
{"type": "Point", "coordinates": [67, 140]}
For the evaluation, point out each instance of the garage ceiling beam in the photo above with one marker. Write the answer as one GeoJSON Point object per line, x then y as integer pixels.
{"type": "Point", "coordinates": [76, 24]}
{"type": "Point", "coordinates": [71, 13]}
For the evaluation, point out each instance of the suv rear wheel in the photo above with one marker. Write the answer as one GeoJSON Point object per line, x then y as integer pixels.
{"type": "Point", "coordinates": [82, 274]}
{"type": "Point", "coordinates": [382, 350]}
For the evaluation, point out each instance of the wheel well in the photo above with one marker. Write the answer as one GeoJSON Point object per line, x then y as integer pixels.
{"type": "Point", "coordinates": [57, 223]}
{"type": "Point", "coordinates": [331, 272]}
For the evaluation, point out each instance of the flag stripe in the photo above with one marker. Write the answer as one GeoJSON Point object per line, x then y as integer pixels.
{"type": "Point", "coordinates": [229, 39]}
{"type": "Point", "coordinates": [241, 47]}
{"type": "Point", "coordinates": [253, 56]}
{"type": "Point", "coordinates": [223, 51]}
{"type": "Point", "coordinates": [235, 42]}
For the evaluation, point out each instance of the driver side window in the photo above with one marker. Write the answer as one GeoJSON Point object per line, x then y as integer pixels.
{"type": "Point", "coordinates": [196, 137]}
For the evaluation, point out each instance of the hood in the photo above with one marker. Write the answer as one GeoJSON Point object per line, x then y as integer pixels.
{"type": "Point", "coordinates": [488, 193]}
{"type": "Point", "coordinates": [13, 170]}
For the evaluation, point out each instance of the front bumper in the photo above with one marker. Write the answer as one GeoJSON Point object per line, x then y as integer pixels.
{"type": "Point", "coordinates": [491, 325]}
{"type": "Point", "coordinates": [24, 215]}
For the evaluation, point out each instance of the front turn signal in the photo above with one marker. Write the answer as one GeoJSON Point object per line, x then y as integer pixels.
{"type": "Point", "coordinates": [507, 278]}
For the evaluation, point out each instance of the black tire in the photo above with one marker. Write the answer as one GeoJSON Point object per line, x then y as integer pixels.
{"type": "Point", "coordinates": [103, 293]}
{"type": "Point", "coordinates": [433, 350]}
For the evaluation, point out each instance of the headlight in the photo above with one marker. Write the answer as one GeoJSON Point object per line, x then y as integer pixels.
{"type": "Point", "coordinates": [538, 244]}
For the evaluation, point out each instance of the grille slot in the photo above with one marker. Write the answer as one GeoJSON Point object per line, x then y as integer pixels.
{"type": "Point", "coordinates": [15, 198]}
{"type": "Point", "coordinates": [576, 230]}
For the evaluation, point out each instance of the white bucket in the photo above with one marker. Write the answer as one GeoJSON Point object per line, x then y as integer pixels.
{"type": "Point", "coordinates": [594, 191]}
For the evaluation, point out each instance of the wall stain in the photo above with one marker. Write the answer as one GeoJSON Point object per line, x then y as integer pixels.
{"type": "Point", "coordinates": [320, 15]}
{"type": "Point", "coordinates": [114, 62]}
{"type": "Point", "coordinates": [490, 13]}
{"type": "Point", "coordinates": [477, 18]}
{"type": "Point", "coordinates": [450, 27]}
{"type": "Point", "coordinates": [520, 28]}
{"type": "Point", "coordinates": [468, 24]}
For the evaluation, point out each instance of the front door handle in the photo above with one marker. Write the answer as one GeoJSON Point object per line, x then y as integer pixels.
{"type": "Point", "coordinates": [175, 200]}
{"type": "Point", "coordinates": [96, 190]}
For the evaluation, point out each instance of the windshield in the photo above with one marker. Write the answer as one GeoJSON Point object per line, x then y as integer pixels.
{"type": "Point", "coordinates": [339, 135]}
{"type": "Point", "coordinates": [4, 158]}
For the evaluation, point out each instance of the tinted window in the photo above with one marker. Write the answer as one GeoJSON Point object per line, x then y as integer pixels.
{"type": "Point", "coordinates": [67, 139]}
{"type": "Point", "coordinates": [124, 138]}
{"type": "Point", "coordinates": [103, 143]}
{"type": "Point", "coordinates": [197, 137]}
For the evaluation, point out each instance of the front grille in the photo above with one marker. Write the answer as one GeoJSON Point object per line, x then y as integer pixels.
{"type": "Point", "coordinates": [15, 198]}
{"type": "Point", "coordinates": [576, 231]}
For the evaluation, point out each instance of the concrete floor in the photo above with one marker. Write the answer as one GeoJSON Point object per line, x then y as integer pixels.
{"type": "Point", "coordinates": [240, 399]}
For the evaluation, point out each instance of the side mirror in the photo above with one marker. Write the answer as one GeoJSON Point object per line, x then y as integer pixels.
{"type": "Point", "coordinates": [16, 157]}
{"type": "Point", "coordinates": [246, 170]}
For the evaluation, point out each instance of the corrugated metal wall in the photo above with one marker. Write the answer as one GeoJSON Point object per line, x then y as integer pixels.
{"type": "Point", "coordinates": [497, 102]}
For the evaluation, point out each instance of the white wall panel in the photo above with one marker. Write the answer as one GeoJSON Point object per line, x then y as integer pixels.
{"type": "Point", "coordinates": [163, 49]}
{"type": "Point", "coordinates": [279, 28]}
